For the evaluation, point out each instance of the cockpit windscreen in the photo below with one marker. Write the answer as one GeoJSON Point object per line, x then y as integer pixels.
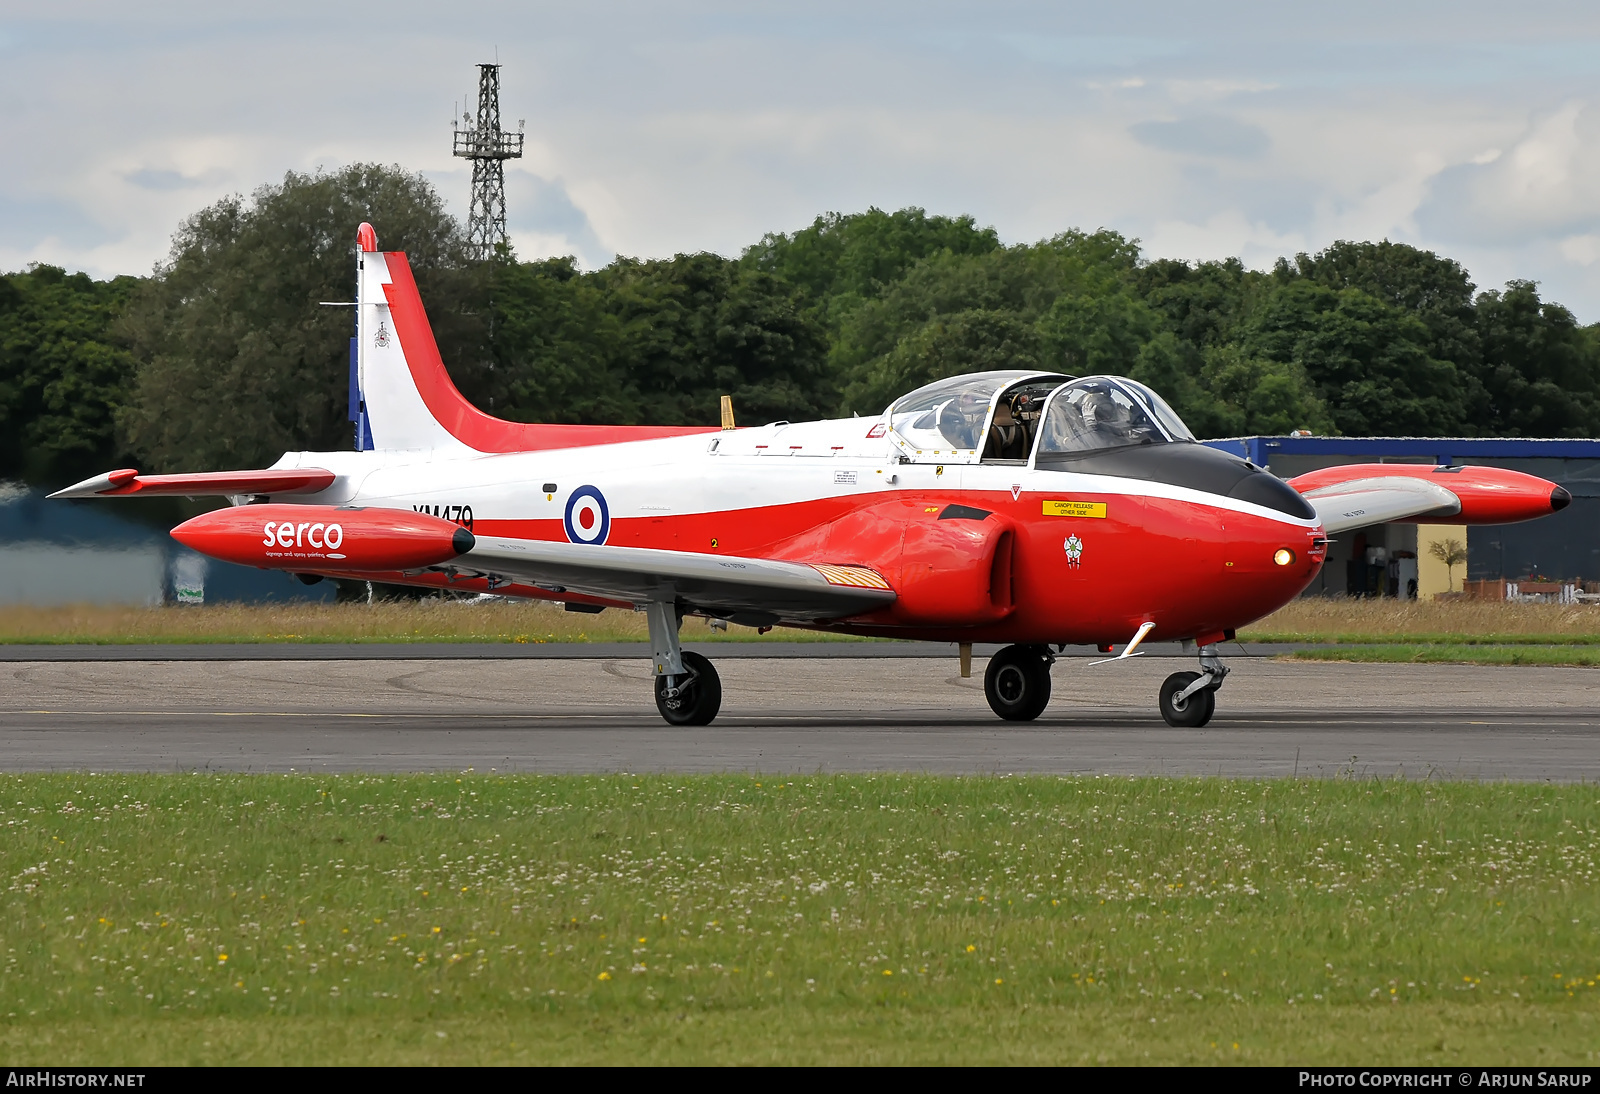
{"type": "Point", "coordinates": [1100, 412]}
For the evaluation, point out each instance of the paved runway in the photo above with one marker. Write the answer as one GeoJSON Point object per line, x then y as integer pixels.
{"type": "Point", "coordinates": [792, 715]}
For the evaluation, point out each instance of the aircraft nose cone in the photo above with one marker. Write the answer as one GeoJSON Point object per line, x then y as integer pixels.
{"type": "Point", "coordinates": [462, 541]}
{"type": "Point", "coordinates": [1559, 499]}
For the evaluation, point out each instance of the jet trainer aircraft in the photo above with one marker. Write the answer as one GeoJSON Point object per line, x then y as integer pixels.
{"type": "Point", "coordinates": [1019, 507]}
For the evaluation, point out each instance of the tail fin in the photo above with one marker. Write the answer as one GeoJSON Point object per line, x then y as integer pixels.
{"type": "Point", "coordinates": [406, 397]}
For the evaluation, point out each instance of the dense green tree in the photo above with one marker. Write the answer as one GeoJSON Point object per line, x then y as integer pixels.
{"type": "Point", "coordinates": [224, 359]}
{"type": "Point", "coordinates": [1204, 303]}
{"type": "Point", "coordinates": [975, 340]}
{"type": "Point", "coordinates": [1540, 370]}
{"type": "Point", "coordinates": [1433, 289]}
{"type": "Point", "coordinates": [656, 342]}
{"type": "Point", "coordinates": [1367, 360]}
{"type": "Point", "coordinates": [237, 362]}
{"type": "Point", "coordinates": [556, 347]}
{"type": "Point", "coordinates": [62, 378]}
{"type": "Point", "coordinates": [698, 326]}
{"type": "Point", "coordinates": [909, 335]}
{"type": "Point", "coordinates": [841, 260]}
{"type": "Point", "coordinates": [1251, 396]}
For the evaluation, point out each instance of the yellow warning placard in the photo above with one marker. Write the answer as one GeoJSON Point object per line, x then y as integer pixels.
{"type": "Point", "coordinates": [1074, 508]}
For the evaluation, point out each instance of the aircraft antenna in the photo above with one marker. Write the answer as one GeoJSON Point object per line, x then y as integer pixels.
{"type": "Point", "coordinates": [482, 141]}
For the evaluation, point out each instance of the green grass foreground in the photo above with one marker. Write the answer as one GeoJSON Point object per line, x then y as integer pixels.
{"type": "Point", "coordinates": [360, 919]}
{"type": "Point", "coordinates": [1471, 653]}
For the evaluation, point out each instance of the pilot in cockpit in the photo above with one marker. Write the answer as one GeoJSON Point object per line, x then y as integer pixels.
{"type": "Point", "coordinates": [1010, 435]}
{"type": "Point", "coordinates": [1109, 418]}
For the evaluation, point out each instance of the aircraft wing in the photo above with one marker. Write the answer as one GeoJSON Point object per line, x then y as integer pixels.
{"type": "Point", "coordinates": [114, 484]}
{"type": "Point", "coordinates": [750, 591]}
{"type": "Point", "coordinates": [1360, 502]}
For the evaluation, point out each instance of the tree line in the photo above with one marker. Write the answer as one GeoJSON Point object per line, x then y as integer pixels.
{"type": "Point", "coordinates": [223, 356]}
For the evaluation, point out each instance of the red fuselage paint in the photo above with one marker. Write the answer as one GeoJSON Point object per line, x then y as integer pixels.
{"type": "Point", "coordinates": [1191, 569]}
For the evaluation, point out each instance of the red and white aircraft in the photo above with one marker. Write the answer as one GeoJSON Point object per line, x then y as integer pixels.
{"type": "Point", "coordinates": [1017, 507]}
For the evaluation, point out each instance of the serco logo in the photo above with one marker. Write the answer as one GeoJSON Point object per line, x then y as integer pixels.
{"type": "Point", "coordinates": [324, 537]}
{"type": "Point", "coordinates": [587, 518]}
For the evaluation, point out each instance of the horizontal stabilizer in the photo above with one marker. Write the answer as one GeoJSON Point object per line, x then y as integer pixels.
{"type": "Point", "coordinates": [128, 482]}
{"type": "Point", "coordinates": [1361, 502]}
{"type": "Point", "coordinates": [717, 584]}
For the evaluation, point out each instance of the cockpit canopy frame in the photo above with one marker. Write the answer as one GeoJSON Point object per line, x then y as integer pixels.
{"type": "Point", "coordinates": [948, 421]}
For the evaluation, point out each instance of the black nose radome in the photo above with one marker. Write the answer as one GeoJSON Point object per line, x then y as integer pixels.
{"type": "Point", "coordinates": [462, 541]}
{"type": "Point", "coordinates": [1559, 499]}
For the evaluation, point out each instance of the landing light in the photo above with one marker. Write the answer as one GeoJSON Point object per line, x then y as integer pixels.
{"type": "Point", "coordinates": [1283, 557]}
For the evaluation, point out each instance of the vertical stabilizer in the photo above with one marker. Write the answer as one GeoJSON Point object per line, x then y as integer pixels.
{"type": "Point", "coordinates": [394, 351]}
{"type": "Point", "coordinates": [404, 399]}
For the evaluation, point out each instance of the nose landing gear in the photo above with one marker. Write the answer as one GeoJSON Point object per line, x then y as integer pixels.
{"type": "Point", "coordinates": [1017, 682]}
{"type": "Point", "coordinates": [1189, 699]}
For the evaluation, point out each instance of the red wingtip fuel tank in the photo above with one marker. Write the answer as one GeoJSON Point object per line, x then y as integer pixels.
{"type": "Point", "coordinates": [1489, 495]}
{"type": "Point", "coordinates": [324, 538]}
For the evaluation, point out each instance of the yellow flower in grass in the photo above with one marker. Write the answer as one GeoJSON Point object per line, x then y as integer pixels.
{"type": "Point", "coordinates": [604, 976]}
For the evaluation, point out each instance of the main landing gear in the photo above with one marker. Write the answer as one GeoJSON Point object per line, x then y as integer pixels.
{"type": "Point", "coordinates": [1017, 683]}
{"type": "Point", "coordinates": [1188, 699]}
{"type": "Point", "coordinates": [688, 689]}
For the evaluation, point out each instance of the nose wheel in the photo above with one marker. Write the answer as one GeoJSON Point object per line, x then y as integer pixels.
{"type": "Point", "coordinates": [1017, 682]}
{"type": "Point", "coordinates": [1189, 699]}
{"type": "Point", "coordinates": [1183, 708]}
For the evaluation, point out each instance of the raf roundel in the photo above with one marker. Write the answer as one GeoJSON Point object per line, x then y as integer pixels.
{"type": "Point", "coordinates": [587, 519]}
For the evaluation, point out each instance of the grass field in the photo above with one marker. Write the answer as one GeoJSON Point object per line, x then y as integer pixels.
{"type": "Point", "coordinates": [1461, 622]}
{"type": "Point", "coordinates": [1455, 624]}
{"type": "Point", "coordinates": [389, 621]}
{"type": "Point", "coordinates": [1444, 652]}
{"type": "Point", "coordinates": [1472, 631]}
{"type": "Point", "coordinates": [266, 919]}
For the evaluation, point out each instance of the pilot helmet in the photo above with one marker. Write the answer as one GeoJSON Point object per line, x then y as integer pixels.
{"type": "Point", "coordinates": [1096, 408]}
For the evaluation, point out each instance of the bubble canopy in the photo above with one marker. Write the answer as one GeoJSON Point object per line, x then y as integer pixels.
{"type": "Point", "coordinates": [1095, 413]}
{"type": "Point", "coordinates": [953, 414]}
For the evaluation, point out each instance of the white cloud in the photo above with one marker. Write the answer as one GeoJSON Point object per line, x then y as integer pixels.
{"type": "Point", "coordinates": [1584, 249]}
{"type": "Point", "coordinates": [1547, 185]}
{"type": "Point", "coordinates": [1236, 129]}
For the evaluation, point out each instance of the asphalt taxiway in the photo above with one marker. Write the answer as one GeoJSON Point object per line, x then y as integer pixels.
{"type": "Point", "coordinates": [792, 713]}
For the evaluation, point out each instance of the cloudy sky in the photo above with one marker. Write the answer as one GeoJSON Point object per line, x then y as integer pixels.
{"type": "Point", "coordinates": [1205, 130]}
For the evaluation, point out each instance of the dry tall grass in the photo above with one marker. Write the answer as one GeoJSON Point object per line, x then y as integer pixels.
{"type": "Point", "coordinates": [512, 621]}
{"type": "Point", "coordinates": [1325, 619]}
{"type": "Point", "coordinates": [398, 621]}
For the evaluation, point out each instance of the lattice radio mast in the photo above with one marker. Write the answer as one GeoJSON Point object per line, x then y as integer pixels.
{"type": "Point", "coordinates": [482, 141]}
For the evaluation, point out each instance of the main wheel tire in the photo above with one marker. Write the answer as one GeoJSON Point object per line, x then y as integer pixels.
{"type": "Point", "coordinates": [1017, 682]}
{"type": "Point", "coordinates": [1190, 713]}
{"type": "Point", "coordinates": [696, 702]}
